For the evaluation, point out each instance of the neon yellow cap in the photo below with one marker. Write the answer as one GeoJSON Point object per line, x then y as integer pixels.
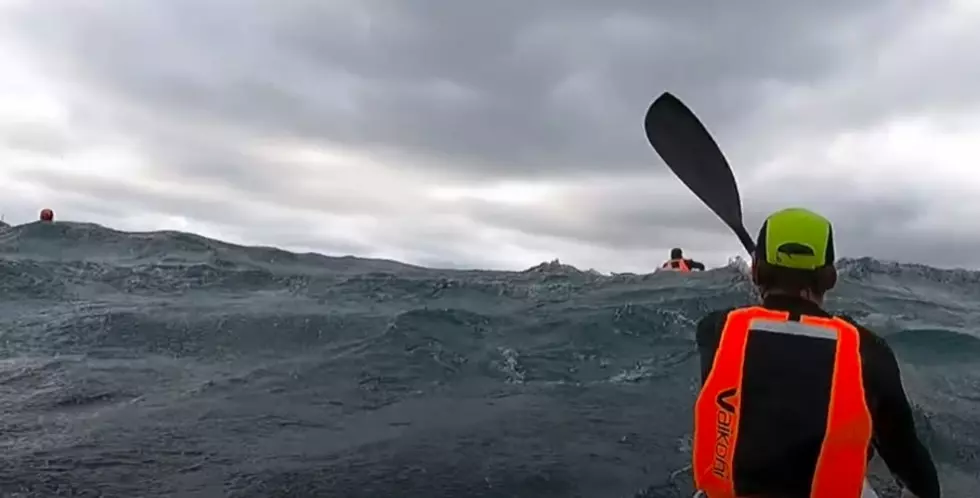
{"type": "Point", "coordinates": [796, 238]}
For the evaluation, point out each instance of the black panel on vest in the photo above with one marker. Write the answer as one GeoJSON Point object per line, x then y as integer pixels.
{"type": "Point", "coordinates": [785, 397]}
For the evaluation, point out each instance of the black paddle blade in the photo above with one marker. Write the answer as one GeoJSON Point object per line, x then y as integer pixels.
{"type": "Point", "coordinates": [689, 151]}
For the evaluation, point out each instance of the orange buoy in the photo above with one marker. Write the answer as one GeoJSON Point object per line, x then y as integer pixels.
{"type": "Point", "coordinates": [47, 215]}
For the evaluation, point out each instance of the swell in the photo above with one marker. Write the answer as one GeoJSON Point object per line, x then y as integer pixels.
{"type": "Point", "coordinates": [203, 368]}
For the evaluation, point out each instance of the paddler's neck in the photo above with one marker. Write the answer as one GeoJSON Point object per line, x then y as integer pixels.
{"type": "Point", "coordinates": [804, 295]}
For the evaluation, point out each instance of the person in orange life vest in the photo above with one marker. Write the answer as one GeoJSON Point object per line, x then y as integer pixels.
{"type": "Point", "coordinates": [794, 401]}
{"type": "Point", "coordinates": [677, 262]}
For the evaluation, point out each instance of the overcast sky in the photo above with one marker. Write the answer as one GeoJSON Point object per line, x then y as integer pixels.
{"type": "Point", "coordinates": [492, 133]}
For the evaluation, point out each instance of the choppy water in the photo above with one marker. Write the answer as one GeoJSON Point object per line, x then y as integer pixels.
{"type": "Point", "coordinates": [166, 364]}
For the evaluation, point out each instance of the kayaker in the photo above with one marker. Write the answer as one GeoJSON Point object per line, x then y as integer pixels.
{"type": "Point", "coordinates": [678, 262]}
{"type": "Point", "coordinates": [794, 400]}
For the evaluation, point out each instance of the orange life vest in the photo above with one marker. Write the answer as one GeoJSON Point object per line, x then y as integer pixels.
{"type": "Point", "coordinates": [842, 464]}
{"type": "Point", "coordinates": [681, 265]}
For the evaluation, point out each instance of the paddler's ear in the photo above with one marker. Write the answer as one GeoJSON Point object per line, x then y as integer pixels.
{"type": "Point", "coordinates": [826, 278]}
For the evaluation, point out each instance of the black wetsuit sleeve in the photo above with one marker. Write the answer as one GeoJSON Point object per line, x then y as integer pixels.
{"type": "Point", "coordinates": [895, 436]}
{"type": "Point", "coordinates": [708, 336]}
{"type": "Point", "coordinates": [695, 265]}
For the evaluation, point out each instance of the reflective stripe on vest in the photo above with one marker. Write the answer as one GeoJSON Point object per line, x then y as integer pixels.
{"type": "Point", "coordinates": [681, 265]}
{"type": "Point", "coordinates": [842, 463]}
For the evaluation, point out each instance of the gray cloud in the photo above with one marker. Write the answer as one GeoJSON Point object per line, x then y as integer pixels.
{"type": "Point", "coordinates": [510, 88]}
{"type": "Point", "coordinates": [479, 92]}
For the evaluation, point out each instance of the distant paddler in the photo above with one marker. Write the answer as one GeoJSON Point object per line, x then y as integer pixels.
{"type": "Point", "coordinates": [678, 262]}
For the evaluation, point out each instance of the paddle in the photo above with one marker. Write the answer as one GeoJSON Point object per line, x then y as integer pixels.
{"type": "Point", "coordinates": [694, 157]}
